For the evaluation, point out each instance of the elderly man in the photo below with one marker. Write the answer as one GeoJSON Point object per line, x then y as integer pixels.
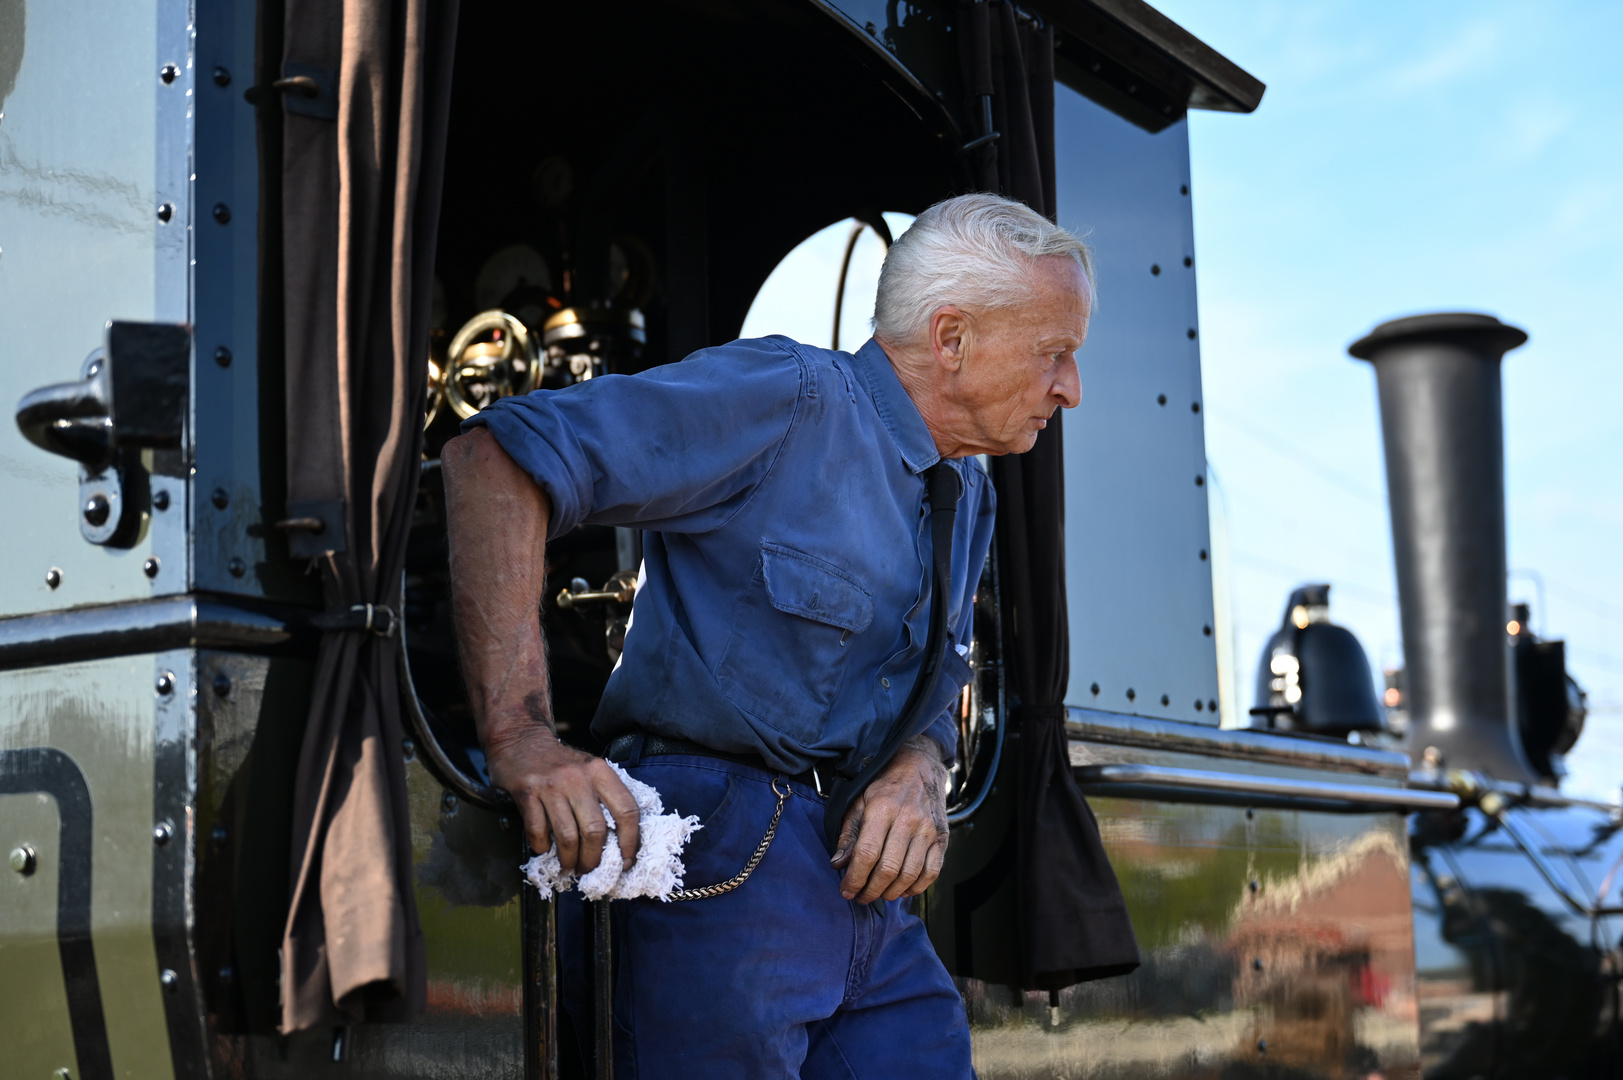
{"type": "Point", "coordinates": [778, 636]}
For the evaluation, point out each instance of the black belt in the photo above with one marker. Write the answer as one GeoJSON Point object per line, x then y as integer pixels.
{"type": "Point", "coordinates": [622, 747]}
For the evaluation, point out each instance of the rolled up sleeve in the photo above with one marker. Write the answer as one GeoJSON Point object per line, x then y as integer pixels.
{"type": "Point", "coordinates": [676, 449]}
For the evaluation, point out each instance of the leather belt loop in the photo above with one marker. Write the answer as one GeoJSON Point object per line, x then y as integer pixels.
{"type": "Point", "coordinates": [635, 757]}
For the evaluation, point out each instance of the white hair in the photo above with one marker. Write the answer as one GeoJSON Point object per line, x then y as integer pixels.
{"type": "Point", "coordinates": [973, 251]}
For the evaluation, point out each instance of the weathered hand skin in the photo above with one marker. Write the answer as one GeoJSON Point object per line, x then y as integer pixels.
{"type": "Point", "coordinates": [497, 527]}
{"type": "Point", "coordinates": [895, 834]}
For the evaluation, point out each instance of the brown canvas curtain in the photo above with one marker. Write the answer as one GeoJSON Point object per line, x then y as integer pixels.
{"type": "Point", "coordinates": [365, 87]}
{"type": "Point", "coordinates": [1073, 923]}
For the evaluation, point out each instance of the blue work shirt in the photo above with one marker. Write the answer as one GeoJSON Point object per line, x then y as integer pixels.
{"type": "Point", "coordinates": [787, 544]}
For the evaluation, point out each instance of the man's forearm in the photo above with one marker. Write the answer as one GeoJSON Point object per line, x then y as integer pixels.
{"type": "Point", "coordinates": [497, 529]}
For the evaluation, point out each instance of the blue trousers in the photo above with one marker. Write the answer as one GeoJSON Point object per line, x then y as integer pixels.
{"type": "Point", "coordinates": [780, 978]}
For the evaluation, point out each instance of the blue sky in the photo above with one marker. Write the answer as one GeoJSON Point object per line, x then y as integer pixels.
{"type": "Point", "coordinates": [1406, 158]}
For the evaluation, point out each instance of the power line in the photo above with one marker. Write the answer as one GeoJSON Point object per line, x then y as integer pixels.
{"type": "Point", "coordinates": [1291, 452]}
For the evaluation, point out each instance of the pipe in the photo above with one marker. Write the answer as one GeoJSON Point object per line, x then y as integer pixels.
{"type": "Point", "coordinates": [1441, 424]}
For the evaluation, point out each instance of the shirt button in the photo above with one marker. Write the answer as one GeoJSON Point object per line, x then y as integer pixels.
{"type": "Point", "coordinates": [885, 683]}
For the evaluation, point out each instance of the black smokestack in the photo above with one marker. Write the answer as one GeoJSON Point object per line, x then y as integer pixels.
{"type": "Point", "coordinates": [1443, 430]}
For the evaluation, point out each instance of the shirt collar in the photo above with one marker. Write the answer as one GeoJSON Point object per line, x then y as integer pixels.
{"type": "Point", "coordinates": [896, 410]}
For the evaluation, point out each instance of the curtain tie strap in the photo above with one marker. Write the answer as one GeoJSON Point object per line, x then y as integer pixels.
{"type": "Point", "coordinates": [378, 619]}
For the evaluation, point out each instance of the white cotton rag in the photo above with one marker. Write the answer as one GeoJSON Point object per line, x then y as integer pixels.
{"type": "Point", "coordinates": [657, 871]}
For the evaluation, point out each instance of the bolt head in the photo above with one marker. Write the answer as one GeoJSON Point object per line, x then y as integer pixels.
{"type": "Point", "coordinates": [448, 803]}
{"type": "Point", "coordinates": [222, 356]}
{"type": "Point", "coordinates": [53, 577]}
{"type": "Point", "coordinates": [170, 981]}
{"type": "Point", "coordinates": [165, 212]}
{"type": "Point", "coordinates": [169, 73]}
{"type": "Point", "coordinates": [222, 77]}
{"type": "Point", "coordinates": [160, 500]}
{"type": "Point", "coordinates": [222, 213]}
{"type": "Point", "coordinates": [23, 859]}
{"type": "Point", "coordinates": [150, 567]}
{"type": "Point", "coordinates": [166, 683]}
{"type": "Point", "coordinates": [98, 508]}
{"type": "Point", "coordinates": [220, 497]}
{"type": "Point", "coordinates": [221, 683]}
{"type": "Point", "coordinates": [162, 833]}
{"type": "Point", "coordinates": [237, 567]}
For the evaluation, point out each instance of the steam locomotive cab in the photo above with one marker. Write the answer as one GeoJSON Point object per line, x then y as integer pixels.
{"type": "Point", "coordinates": [618, 185]}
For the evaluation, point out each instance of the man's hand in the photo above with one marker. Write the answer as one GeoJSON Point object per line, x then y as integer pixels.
{"type": "Point", "coordinates": [558, 790]}
{"type": "Point", "coordinates": [496, 523]}
{"type": "Point", "coordinates": [895, 833]}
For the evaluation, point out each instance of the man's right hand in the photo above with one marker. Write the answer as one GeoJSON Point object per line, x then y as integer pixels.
{"type": "Point", "coordinates": [496, 522]}
{"type": "Point", "coordinates": [560, 791]}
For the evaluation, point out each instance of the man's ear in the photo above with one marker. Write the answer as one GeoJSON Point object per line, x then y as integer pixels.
{"type": "Point", "coordinates": [950, 337]}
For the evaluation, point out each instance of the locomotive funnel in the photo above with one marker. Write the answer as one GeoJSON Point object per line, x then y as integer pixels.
{"type": "Point", "coordinates": [1443, 431]}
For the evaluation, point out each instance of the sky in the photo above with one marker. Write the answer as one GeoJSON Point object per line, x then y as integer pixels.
{"type": "Point", "coordinates": [1406, 158]}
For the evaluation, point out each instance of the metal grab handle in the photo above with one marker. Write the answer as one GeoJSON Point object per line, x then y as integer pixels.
{"type": "Point", "coordinates": [73, 419]}
{"type": "Point", "coordinates": [619, 589]}
{"type": "Point", "coordinates": [1168, 782]}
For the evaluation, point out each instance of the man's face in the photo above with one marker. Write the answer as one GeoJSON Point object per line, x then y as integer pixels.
{"type": "Point", "coordinates": [1020, 363]}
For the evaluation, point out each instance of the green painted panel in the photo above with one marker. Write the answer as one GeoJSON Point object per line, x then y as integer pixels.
{"type": "Point", "coordinates": [100, 713]}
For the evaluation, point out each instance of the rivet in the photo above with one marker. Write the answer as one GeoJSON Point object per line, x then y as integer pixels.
{"type": "Point", "coordinates": [222, 77]}
{"type": "Point", "coordinates": [220, 498]}
{"type": "Point", "coordinates": [1155, 269]}
{"type": "Point", "coordinates": [218, 836]}
{"type": "Point", "coordinates": [408, 749]}
{"type": "Point", "coordinates": [1206, 630]}
{"type": "Point", "coordinates": [166, 683]}
{"type": "Point", "coordinates": [1191, 333]}
{"type": "Point", "coordinates": [222, 213]}
{"type": "Point", "coordinates": [1250, 813]}
{"type": "Point", "coordinates": [1256, 963]}
{"type": "Point", "coordinates": [23, 859]}
{"type": "Point", "coordinates": [1200, 481]}
{"type": "Point", "coordinates": [222, 356]}
{"type": "Point", "coordinates": [1194, 406]}
{"type": "Point", "coordinates": [169, 74]}
{"type": "Point", "coordinates": [1160, 399]}
{"type": "Point", "coordinates": [1131, 694]}
{"type": "Point", "coordinates": [221, 683]}
{"type": "Point", "coordinates": [448, 803]}
{"type": "Point", "coordinates": [1183, 189]}
{"type": "Point", "coordinates": [150, 567]}
{"type": "Point", "coordinates": [170, 980]}
{"type": "Point", "coordinates": [1095, 689]}
{"type": "Point", "coordinates": [1199, 705]}
{"type": "Point", "coordinates": [162, 833]}
{"type": "Point", "coordinates": [237, 567]}
{"type": "Point", "coordinates": [871, 28]}
{"type": "Point", "coordinates": [1211, 706]}
{"type": "Point", "coordinates": [53, 577]}
{"type": "Point", "coordinates": [165, 212]}
{"type": "Point", "coordinates": [98, 510]}
{"type": "Point", "coordinates": [1187, 261]}
{"type": "Point", "coordinates": [1165, 700]}
{"type": "Point", "coordinates": [160, 500]}
{"type": "Point", "coordinates": [1202, 550]}
{"type": "Point", "coordinates": [1262, 1046]}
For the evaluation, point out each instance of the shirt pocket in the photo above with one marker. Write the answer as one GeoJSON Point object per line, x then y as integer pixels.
{"type": "Point", "coordinates": [786, 657]}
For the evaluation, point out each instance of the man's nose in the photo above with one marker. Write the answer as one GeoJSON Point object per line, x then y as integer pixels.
{"type": "Point", "coordinates": [1068, 384]}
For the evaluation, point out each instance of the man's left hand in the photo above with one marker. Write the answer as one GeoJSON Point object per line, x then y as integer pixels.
{"type": "Point", "coordinates": [895, 833]}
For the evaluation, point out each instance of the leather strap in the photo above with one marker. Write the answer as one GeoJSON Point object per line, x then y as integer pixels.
{"type": "Point", "coordinates": [944, 488]}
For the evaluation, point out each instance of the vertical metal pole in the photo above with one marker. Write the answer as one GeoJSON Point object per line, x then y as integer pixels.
{"type": "Point", "coordinates": [1441, 422]}
{"type": "Point", "coordinates": [539, 919]}
{"type": "Point", "coordinates": [603, 989]}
